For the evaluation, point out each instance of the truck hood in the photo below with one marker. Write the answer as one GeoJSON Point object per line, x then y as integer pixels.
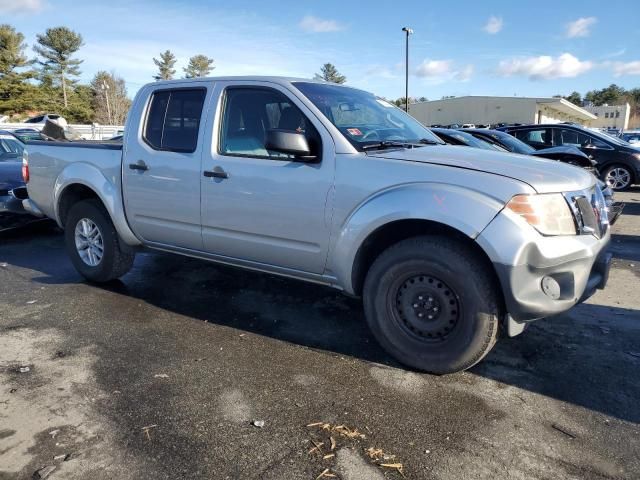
{"type": "Point", "coordinates": [544, 176]}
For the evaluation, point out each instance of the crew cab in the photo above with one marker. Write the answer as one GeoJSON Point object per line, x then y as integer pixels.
{"type": "Point", "coordinates": [448, 247]}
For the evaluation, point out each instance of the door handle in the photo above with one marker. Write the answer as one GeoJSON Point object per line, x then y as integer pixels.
{"type": "Point", "coordinates": [139, 166]}
{"type": "Point", "coordinates": [217, 172]}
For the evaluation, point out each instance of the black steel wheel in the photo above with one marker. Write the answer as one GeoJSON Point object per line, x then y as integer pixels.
{"type": "Point", "coordinates": [433, 303]}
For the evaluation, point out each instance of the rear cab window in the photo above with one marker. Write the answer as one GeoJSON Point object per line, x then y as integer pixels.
{"type": "Point", "coordinates": [173, 119]}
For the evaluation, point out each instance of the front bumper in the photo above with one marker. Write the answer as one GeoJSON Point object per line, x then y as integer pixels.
{"type": "Point", "coordinates": [542, 276]}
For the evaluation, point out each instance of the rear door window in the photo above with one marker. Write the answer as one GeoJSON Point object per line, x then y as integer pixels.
{"type": "Point", "coordinates": [173, 119]}
{"type": "Point", "coordinates": [537, 137]}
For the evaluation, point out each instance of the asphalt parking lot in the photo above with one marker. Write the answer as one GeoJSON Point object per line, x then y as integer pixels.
{"type": "Point", "coordinates": [166, 373]}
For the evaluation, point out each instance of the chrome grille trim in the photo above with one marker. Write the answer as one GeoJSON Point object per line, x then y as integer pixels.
{"type": "Point", "coordinates": [590, 211]}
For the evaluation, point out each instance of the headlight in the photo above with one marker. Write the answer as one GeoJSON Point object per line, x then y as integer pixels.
{"type": "Point", "coordinates": [549, 213]}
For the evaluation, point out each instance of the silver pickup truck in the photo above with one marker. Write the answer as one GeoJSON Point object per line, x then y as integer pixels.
{"type": "Point", "coordinates": [449, 247]}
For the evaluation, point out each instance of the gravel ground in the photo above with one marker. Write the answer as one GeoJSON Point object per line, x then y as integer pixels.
{"type": "Point", "coordinates": [163, 374]}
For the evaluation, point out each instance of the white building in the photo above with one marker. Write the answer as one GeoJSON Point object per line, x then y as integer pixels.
{"type": "Point", "coordinates": [492, 110]}
{"type": "Point", "coordinates": [610, 116]}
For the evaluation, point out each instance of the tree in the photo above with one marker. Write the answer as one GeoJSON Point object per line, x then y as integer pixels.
{"type": "Point", "coordinates": [165, 65]}
{"type": "Point", "coordinates": [16, 94]}
{"type": "Point", "coordinates": [199, 66]}
{"type": "Point", "coordinates": [57, 47]}
{"type": "Point", "coordinates": [574, 98]}
{"type": "Point", "coordinates": [329, 73]}
{"type": "Point", "coordinates": [610, 95]}
{"type": "Point", "coordinates": [109, 99]}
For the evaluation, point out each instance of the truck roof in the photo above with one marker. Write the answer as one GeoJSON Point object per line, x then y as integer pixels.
{"type": "Point", "coordinates": [261, 78]}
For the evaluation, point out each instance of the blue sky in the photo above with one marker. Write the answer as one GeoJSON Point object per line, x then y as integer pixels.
{"type": "Point", "coordinates": [459, 48]}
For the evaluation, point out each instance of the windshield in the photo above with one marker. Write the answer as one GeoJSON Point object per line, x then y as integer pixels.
{"type": "Point", "coordinates": [463, 138]}
{"type": "Point", "coordinates": [606, 138]}
{"type": "Point", "coordinates": [363, 118]}
{"type": "Point", "coordinates": [512, 143]}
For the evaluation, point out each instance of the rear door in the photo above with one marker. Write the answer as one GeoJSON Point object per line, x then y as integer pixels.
{"type": "Point", "coordinates": [265, 207]}
{"type": "Point", "coordinates": [161, 168]}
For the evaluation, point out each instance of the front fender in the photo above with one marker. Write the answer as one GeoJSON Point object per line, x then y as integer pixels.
{"type": "Point", "coordinates": [108, 189]}
{"type": "Point", "coordinates": [463, 209]}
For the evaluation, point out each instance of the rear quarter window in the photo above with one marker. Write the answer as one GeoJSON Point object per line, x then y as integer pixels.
{"type": "Point", "coordinates": [173, 119]}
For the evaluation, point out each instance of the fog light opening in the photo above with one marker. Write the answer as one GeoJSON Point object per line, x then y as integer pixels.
{"type": "Point", "coordinates": [551, 287]}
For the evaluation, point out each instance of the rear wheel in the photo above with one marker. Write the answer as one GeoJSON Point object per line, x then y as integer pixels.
{"type": "Point", "coordinates": [618, 177]}
{"type": "Point", "coordinates": [95, 248]}
{"type": "Point", "coordinates": [432, 304]}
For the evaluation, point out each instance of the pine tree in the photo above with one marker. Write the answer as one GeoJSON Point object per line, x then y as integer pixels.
{"type": "Point", "coordinates": [165, 65]}
{"type": "Point", "coordinates": [199, 66]}
{"type": "Point", "coordinates": [16, 93]}
{"type": "Point", "coordinates": [57, 47]}
{"type": "Point", "coordinates": [329, 73]}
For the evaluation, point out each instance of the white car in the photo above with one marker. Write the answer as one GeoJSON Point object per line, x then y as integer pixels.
{"type": "Point", "coordinates": [55, 118]}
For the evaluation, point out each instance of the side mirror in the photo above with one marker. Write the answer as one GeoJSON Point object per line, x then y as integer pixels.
{"type": "Point", "coordinates": [289, 142]}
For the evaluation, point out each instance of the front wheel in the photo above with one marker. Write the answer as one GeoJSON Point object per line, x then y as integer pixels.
{"type": "Point", "coordinates": [95, 248]}
{"type": "Point", "coordinates": [432, 304]}
{"type": "Point", "coordinates": [618, 177]}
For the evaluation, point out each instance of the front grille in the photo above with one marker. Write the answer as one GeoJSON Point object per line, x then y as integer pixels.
{"type": "Point", "coordinates": [4, 193]}
{"type": "Point", "coordinates": [590, 211]}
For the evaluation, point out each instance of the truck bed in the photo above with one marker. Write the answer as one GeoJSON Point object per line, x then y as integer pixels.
{"type": "Point", "coordinates": [96, 144]}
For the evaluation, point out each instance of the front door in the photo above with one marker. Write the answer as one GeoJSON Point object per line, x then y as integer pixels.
{"type": "Point", "coordinates": [262, 206]}
{"type": "Point", "coordinates": [161, 171]}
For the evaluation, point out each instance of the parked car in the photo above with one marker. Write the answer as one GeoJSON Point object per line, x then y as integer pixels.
{"type": "Point", "coordinates": [632, 137]}
{"type": "Point", "coordinates": [12, 186]}
{"type": "Point", "coordinates": [325, 183]}
{"type": "Point", "coordinates": [459, 137]}
{"type": "Point", "coordinates": [564, 153]}
{"type": "Point", "coordinates": [55, 118]}
{"type": "Point", "coordinates": [618, 162]}
{"type": "Point", "coordinates": [468, 125]}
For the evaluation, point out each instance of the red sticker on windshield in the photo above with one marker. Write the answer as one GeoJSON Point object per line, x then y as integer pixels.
{"type": "Point", "coordinates": [354, 131]}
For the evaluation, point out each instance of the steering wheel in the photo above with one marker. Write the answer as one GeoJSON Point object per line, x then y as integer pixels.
{"type": "Point", "coordinates": [369, 134]}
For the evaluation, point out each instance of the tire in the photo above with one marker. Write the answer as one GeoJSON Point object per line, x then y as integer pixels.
{"type": "Point", "coordinates": [618, 177]}
{"type": "Point", "coordinates": [444, 279]}
{"type": "Point", "coordinates": [115, 259]}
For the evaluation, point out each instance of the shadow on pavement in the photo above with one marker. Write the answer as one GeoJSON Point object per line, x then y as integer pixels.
{"type": "Point", "coordinates": [567, 357]}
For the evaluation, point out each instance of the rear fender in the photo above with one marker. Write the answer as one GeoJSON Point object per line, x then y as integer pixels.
{"type": "Point", "coordinates": [108, 190]}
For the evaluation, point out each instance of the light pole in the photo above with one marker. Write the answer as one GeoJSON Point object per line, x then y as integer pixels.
{"type": "Point", "coordinates": [105, 89]}
{"type": "Point", "coordinates": [408, 32]}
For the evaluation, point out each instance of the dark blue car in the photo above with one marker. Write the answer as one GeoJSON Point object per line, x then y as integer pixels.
{"type": "Point", "coordinates": [12, 187]}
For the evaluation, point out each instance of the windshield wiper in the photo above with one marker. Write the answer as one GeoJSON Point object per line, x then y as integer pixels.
{"type": "Point", "coordinates": [387, 144]}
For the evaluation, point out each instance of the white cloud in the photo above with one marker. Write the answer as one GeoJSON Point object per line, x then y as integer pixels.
{"type": "Point", "coordinates": [319, 25]}
{"type": "Point", "coordinates": [465, 74]}
{"type": "Point", "coordinates": [440, 70]}
{"type": "Point", "coordinates": [580, 27]}
{"type": "Point", "coordinates": [434, 68]}
{"type": "Point", "coordinates": [628, 68]}
{"type": "Point", "coordinates": [23, 6]}
{"type": "Point", "coordinates": [494, 25]}
{"type": "Point", "coordinates": [545, 67]}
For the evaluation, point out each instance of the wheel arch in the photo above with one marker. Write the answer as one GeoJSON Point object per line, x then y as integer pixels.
{"type": "Point", "coordinates": [81, 181]}
{"type": "Point", "coordinates": [391, 233]}
{"type": "Point", "coordinates": [404, 212]}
